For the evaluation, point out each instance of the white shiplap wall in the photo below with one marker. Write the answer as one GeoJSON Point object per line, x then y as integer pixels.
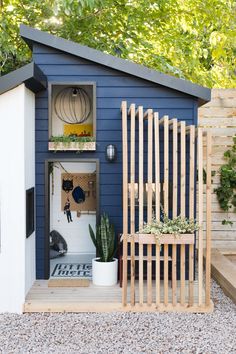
{"type": "Point", "coordinates": [17, 255]}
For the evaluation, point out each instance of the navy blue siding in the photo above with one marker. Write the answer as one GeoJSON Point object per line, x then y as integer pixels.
{"type": "Point", "coordinates": [112, 87]}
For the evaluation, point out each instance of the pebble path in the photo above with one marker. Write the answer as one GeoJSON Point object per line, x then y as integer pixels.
{"type": "Point", "coordinates": [136, 333]}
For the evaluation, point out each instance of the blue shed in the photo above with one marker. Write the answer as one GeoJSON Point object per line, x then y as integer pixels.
{"type": "Point", "coordinates": [78, 93]}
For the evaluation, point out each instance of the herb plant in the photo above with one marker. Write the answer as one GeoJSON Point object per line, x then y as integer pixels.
{"type": "Point", "coordinates": [175, 226]}
{"type": "Point", "coordinates": [71, 139]}
{"type": "Point", "coordinates": [67, 139]}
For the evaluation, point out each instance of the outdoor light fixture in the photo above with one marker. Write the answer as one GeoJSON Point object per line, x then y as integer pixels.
{"type": "Point", "coordinates": [111, 153]}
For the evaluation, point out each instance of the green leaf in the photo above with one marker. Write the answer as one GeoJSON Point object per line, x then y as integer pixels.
{"type": "Point", "coordinates": [92, 235]}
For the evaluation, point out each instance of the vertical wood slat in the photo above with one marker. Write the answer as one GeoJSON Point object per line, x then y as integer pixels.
{"type": "Point", "coordinates": [183, 168]}
{"type": "Point", "coordinates": [191, 206]}
{"type": "Point", "coordinates": [166, 165]}
{"type": "Point", "coordinates": [158, 285]}
{"type": "Point", "coordinates": [132, 202]}
{"type": "Point", "coordinates": [140, 118]}
{"type": "Point", "coordinates": [125, 199]}
{"type": "Point", "coordinates": [149, 204]}
{"type": "Point", "coordinates": [166, 274]}
{"type": "Point", "coordinates": [200, 215]}
{"type": "Point", "coordinates": [166, 201]}
{"type": "Point", "coordinates": [174, 206]}
{"type": "Point", "coordinates": [175, 167]}
{"type": "Point", "coordinates": [157, 165]}
{"type": "Point", "coordinates": [208, 218]}
{"type": "Point", "coordinates": [174, 283]}
{"type": "Point", "coordinates": [150, 147]}
{"type": "Point", "coordinates": [182, 206]}
{"type": "Point", "coordinates": [157, 200]}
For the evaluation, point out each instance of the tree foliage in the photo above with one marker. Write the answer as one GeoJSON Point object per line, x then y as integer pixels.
{"type": "Point", "coordinates": [191, 39]}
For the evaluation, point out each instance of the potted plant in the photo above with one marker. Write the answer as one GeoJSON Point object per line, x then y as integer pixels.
{"type": "Point", "coordinates": [105, 266]}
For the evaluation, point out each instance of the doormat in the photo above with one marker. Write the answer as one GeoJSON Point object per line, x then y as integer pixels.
{"type": "Point", "coordinates": [73, 270]}
{"type": "Point", "coordinates": [69, 282]}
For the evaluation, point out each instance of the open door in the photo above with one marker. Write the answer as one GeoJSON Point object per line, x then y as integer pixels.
{"type": "Point", "coordinates": [72, 207]}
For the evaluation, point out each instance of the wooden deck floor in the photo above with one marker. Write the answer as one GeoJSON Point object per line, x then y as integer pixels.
{"type": "Point", "coordinates": [42, 298]}
{"type": "Point", "coordinates": [223, 266]}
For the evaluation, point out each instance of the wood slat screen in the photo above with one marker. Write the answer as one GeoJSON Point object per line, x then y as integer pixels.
{"type": "Point", "coordinates": [142, 173]}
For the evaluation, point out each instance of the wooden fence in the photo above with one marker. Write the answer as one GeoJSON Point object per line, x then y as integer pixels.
{"type": "Point", "coordinates": [219, 117]}
{"type": "Point", "coordinates": [167, 292]}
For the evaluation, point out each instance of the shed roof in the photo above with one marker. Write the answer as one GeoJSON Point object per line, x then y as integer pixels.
{"type": "Point", "coordinates": [29, 74]}
{"type": "Point", "coordinates": [32, 35]}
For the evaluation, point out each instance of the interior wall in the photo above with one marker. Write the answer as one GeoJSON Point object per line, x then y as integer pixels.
{"type": "Point", "coordinates": [75, 233]}
{"type": "Point", "coordinates": [57, 124]}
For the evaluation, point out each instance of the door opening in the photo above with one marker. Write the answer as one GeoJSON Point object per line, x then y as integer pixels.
{"type": "Point", "coordinates": [72, 200]}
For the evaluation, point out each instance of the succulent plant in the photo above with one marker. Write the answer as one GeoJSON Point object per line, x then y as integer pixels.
{"type": "Point", "coordinates": [104, 241]}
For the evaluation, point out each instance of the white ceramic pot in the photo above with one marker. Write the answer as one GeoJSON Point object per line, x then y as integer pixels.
{"type": "Point", "coordinates": [104, 273]}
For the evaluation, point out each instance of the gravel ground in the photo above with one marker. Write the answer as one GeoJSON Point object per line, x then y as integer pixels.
{"type": "Point", "coordinates": [123, 332]}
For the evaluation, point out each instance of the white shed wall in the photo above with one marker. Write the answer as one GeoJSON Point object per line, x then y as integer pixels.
{"type": "Point", "coordinates": [30, 262]}
{"type": "Point", "coordinates": [17, 174]}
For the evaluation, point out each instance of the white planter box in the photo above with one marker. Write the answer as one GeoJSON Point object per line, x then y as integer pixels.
{"type": "Point", "coordinates": [73, 146]}
{"type": "Point", "coordinates": [104, 273]}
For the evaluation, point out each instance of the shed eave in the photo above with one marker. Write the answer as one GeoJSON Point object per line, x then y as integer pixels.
{"type": "Point", "coordinates": [32, 35]}
{"type": "Point", "coordinates": [29, 74]}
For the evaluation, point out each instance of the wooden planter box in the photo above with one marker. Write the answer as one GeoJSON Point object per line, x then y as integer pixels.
{"type": "Point", "coordinates": [169, 239]}
{"type": "Point", "coordinates": [73, 146]}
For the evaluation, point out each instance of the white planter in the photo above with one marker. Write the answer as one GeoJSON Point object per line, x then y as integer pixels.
{"type": "Point", "coordinates": [72, 146]}
{"type": "Point", "coordinates": [104, 273]}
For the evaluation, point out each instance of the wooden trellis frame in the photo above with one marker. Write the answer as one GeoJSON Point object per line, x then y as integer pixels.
{"type": "Point", "coordinates": [169, 293]}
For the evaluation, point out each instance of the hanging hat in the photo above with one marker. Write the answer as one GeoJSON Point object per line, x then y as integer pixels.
{"type": "Point", "coordinates": [78, 195]}
{"type": "Point", "coordinates": [67, 185]}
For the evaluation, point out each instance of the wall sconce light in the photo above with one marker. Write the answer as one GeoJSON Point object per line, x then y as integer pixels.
{"type": "Point", "coordinates": [111, 153]}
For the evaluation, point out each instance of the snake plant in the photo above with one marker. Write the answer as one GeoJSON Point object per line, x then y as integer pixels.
{"type": "Point", "coordinates": [104, 241]}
